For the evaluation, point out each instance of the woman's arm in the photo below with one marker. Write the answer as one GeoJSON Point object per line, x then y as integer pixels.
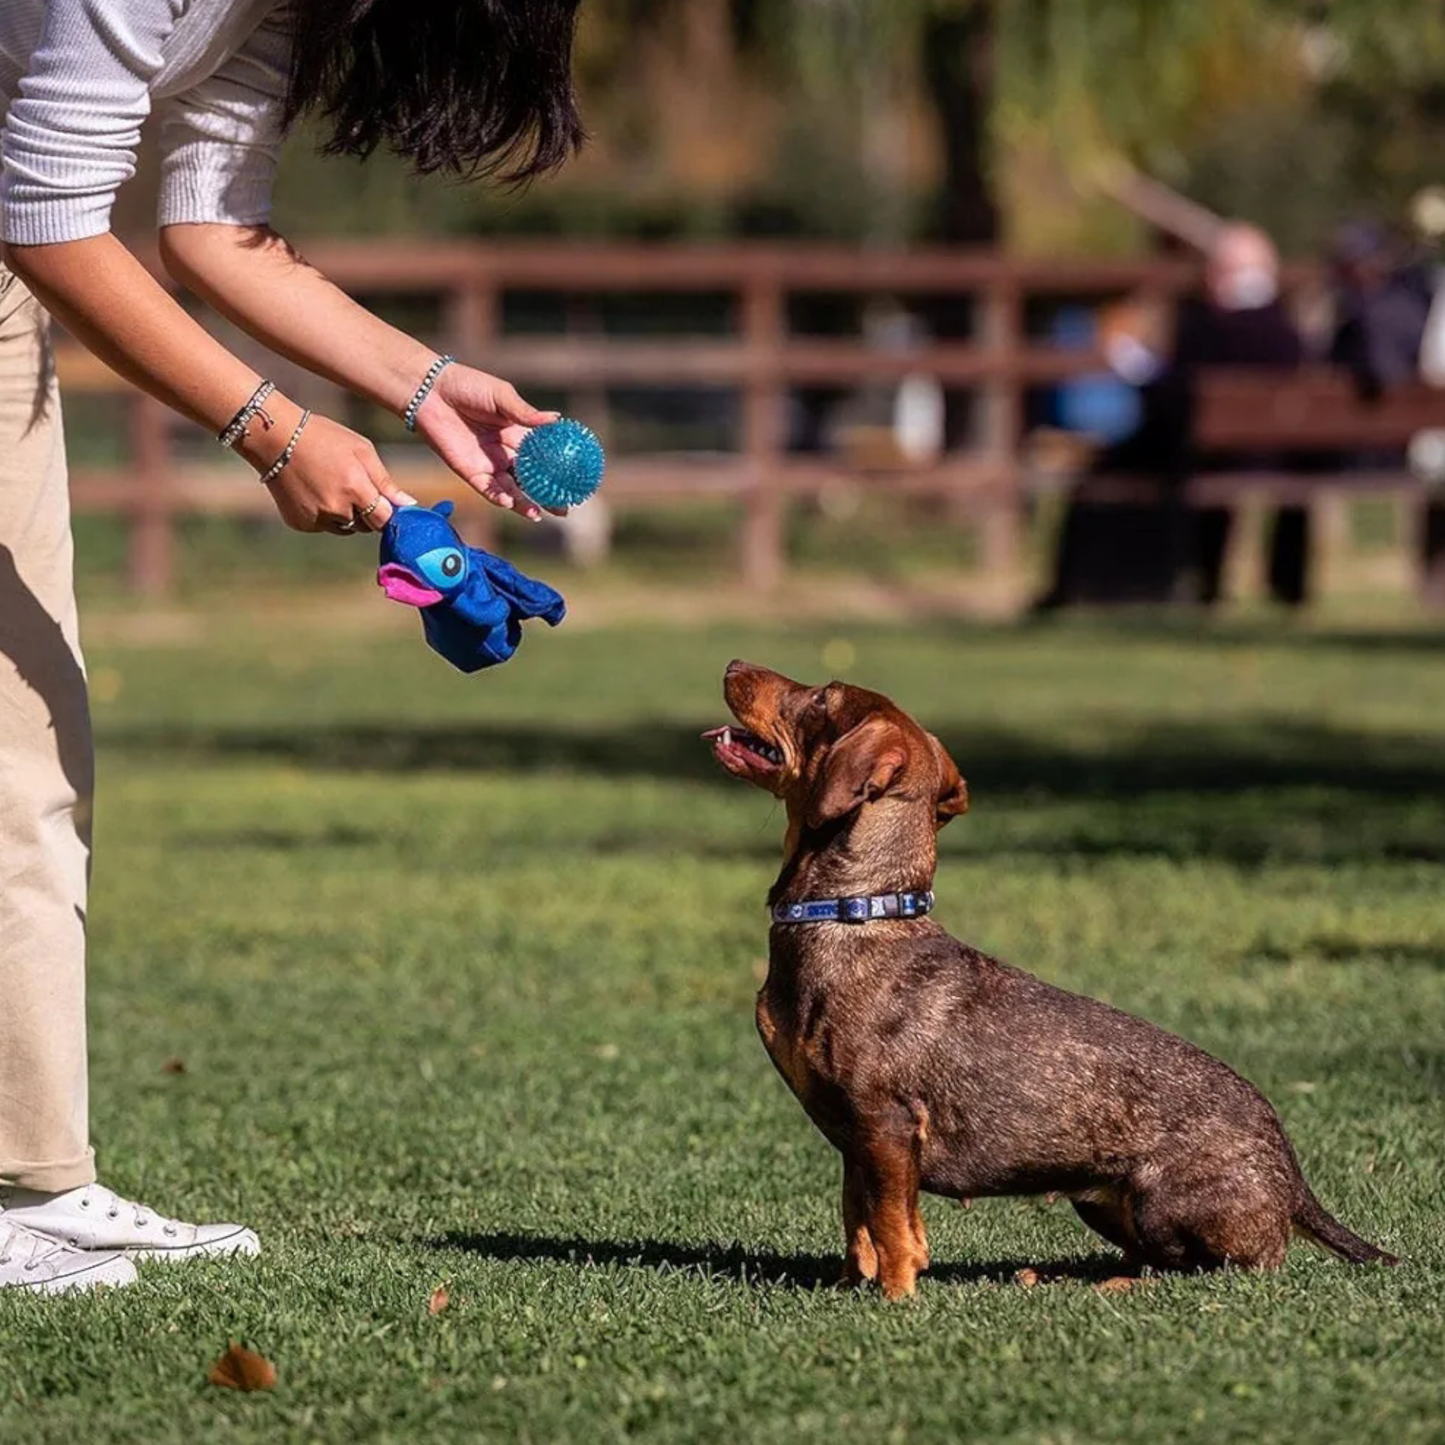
{"type": "Point", "coordinates": [109, 301]}
{"type": "Point", "coordinates": [253, 276]}
{"type": "Point", "coordinates": [69, 141]}
{"type": "Point", "coordinates": [106, 299]}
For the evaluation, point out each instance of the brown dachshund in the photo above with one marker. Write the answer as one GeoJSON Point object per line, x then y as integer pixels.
{"type": "Point", "coordinates": [931, 1066]}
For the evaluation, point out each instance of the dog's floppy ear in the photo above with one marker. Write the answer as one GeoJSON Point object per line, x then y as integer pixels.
{"type": "Point", "coordinates": [952, 790]}
{"type": "Point", "coordinates": [861, 765]}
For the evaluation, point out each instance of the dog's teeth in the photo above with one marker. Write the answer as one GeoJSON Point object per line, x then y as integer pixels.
{"type": "Point", "coordinates": [727, 737]}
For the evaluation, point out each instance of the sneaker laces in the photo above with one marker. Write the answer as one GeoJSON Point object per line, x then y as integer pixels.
{"type": "Point", "coordinates": [32, 1249]}
{"type": "Point", "coordinates": [96, 1196]}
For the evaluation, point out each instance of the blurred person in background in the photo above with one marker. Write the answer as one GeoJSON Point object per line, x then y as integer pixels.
{"type": "Point", "coordinates": [1382, 302]}
{"type": "Point", "coordinates": [1241, 322]}
{"type": "Point", "coordinates": [1390, 332]}
{"type": "Point", "coordinates": [474, 89]}
{"type": "Point", "coordinates": [1173, 552]}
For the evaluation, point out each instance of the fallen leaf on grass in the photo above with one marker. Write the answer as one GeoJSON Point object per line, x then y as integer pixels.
{"type": "Point", "coordinates": [173, 1066]}
{"type": "Point", "coordinates": [1119, 1284]}
{"type": "Point", "coordinates": [439, 1300]}
{"type": "Point", "coordinates": [240, 1369]}
{"type": "Point", "coordinates": [1028, 1278]}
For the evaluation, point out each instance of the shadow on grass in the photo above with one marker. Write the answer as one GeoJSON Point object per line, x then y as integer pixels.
{"type": "Point", "coordinates": [1261, 753]}
{"type": "Point", "coordinates": [286, 840]}
{"type": "Point", "coordinates": [1341, 949]}
{"type": "Point", "coordinates": [1243, 792]}
{"type": "Point", "coordinates": [747, 1266]}
{"type": "Point", "coordinates": [1157, 625]}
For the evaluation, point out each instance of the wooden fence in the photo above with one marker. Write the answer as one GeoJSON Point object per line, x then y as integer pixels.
{"type": "Point", "coordinates": [761, 357]}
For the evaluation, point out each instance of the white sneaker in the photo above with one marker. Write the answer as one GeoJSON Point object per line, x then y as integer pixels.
{"type": "Point", "coordinates": [96, 1218]}
{"type": "Point", "coordinates": [33, 1262]}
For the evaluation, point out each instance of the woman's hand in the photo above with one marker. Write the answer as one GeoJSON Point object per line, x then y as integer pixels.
{"type": "Point", "coordinates": [334, 482]}
{"type": "Point", "coordinates": [475, 423]}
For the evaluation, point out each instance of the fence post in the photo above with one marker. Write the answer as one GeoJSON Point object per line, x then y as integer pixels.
{"type": "Point", "coordinates": [472, 318]}
{"type": "Point", "coordinates": [587, 536]}
{"type": "Point", "coordinates": [473, 322]}
{"type": "Point", "coordinates": [150, 561]}
{"type": "Point", "coordinates": [999, 424]}
{"type": "Point", "coordinates": [1330, 527]}
{"type": "Point", "coordinates": [763, 540]}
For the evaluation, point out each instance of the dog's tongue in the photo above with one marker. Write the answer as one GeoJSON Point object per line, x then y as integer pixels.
{"type": "Point", "coordinates": [403, 586]}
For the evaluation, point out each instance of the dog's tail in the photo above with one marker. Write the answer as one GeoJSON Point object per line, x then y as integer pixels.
{"type": "Point", "coordinates": [1313, 1221]}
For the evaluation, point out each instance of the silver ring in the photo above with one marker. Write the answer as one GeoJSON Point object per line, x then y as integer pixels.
{"type": "Point", "coordinates": [366, 511]}
{"type": "Point", "coordinates": [344, 529]}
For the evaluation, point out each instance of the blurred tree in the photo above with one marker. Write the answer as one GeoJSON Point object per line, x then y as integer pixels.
{"type": "Point", "coordinates": [954, 119]}
{"type": "Point", "coordinates": [1126, 70]}
{"type": "Point", "coordinates": [1153, 78]}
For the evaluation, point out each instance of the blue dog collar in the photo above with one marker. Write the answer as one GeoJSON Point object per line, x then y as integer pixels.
{"type": "Point", "coordinates": [868, 909]}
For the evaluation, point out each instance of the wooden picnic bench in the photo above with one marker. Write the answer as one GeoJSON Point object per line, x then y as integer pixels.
{"type": "Point", "coordinates": [1307, 438]}
{"type": "Point", "coordinates": [1327, 444]}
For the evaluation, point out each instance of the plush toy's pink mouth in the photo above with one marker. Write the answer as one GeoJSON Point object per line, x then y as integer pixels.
{"type": "Point", "coordinates": [403, 586]}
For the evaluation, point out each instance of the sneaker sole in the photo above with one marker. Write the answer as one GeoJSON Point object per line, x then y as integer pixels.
{"type": "Point", "coordinates": [243, 1243]}
{"type": "Point", "coordinates": [115, 1273]}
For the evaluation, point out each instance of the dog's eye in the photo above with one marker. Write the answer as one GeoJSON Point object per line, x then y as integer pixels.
{"type": "Point", "coordinates": [813, 717]}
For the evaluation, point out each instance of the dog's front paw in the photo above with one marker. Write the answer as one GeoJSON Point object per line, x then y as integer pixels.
{"type": "Point", "coordinates": [856, 1273]}
{"type": "Point", "coordinates": [898, 1273]}
{"type": "Point", "coordinates": [901, 1285]}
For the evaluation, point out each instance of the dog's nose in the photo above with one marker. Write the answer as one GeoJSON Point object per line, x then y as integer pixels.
{"type": "Point", "coordinates": [737, 665]}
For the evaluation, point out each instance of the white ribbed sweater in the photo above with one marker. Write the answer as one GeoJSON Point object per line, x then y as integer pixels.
{"type": "Point", "coordinates": [81, 76]}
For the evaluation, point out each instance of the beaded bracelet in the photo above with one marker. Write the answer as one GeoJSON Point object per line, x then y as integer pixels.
{"type": "Point", "coordinates": [236, 428]}
{"type": "Point", "coordinates": [408, 417]}
{"type": "Point", "coordinates": [279, 465]}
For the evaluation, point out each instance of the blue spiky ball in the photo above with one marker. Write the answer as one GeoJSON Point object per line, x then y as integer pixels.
{"type": "Point", "coordinates": [560, 463]}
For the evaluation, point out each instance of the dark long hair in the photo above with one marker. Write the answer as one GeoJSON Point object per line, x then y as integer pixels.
{"type": "Point", "coordinates": [474, 87]}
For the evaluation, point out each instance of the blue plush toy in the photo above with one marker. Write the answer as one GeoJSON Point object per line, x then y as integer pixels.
{"type": "Point", "coordinates": [472, 603]}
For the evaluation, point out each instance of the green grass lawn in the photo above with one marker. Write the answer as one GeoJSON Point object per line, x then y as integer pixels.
{"type": "Point", "coordinates": [461, 974]}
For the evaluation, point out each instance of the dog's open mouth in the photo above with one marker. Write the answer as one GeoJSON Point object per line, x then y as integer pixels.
{"type": "Point", "coordinates": [742, 752]}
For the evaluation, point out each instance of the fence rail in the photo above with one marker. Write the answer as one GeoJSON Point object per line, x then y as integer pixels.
{"type": "Point", "coordinates": [763, 359]}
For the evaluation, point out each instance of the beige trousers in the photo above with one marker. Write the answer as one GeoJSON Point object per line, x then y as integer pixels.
{"type": "Point", "coordinates": [46, 776]}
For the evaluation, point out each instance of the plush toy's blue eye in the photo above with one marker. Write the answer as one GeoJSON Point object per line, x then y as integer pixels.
{"type": "Point", "coordinates": [442, 566]}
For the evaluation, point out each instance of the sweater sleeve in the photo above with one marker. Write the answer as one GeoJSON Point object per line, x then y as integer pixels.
{"type": "Point", "coordinates": [221, 139]}
{"type": "Point", "coordinates": [70, 139]}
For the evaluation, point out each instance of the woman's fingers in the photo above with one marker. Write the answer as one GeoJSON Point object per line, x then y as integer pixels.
{"type": "Point", "coordinates": [335, 482]}
{"type": "Point", "coordinates": [480, 397]}
{"type": "Point", "coordinates": [501, 489]}
{"type": "Point", "coordinates": [510, 439]}
{"type": "Point", "coordinates": [380, 496]}
{"type": "Point", "coordinates": [511, 410]}
{"type": "Point", "coordinates": [297, 511]}
{"type": "Point", "coordinates": [478, 457]}
{"type": "Point", "coordinates": [504, 479]}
